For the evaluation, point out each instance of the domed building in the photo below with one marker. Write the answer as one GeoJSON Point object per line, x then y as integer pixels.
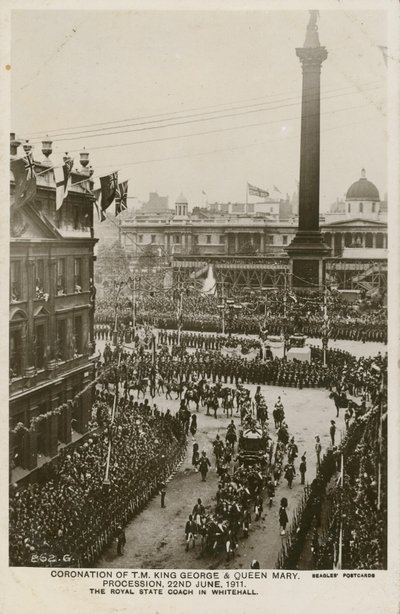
{"type": "Point", "coordinates": [362, 199]}
{"type": "Point", "coordinates": [357, 222]}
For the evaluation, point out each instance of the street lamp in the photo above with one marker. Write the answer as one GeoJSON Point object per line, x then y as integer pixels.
{"type": "Point", "coordinates": [117, 290]}
{"type": "Point", "coordinates": [132, 281]}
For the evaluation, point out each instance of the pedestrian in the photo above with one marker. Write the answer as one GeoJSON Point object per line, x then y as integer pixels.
{"type": "Point", "coordinates": [303, 468]}
{"type": "Point", "coordinates": [289, 474]}
{"type": "Point", "coordinates": [162, 487]}
{"type": "Point", "coordinates": [193, 425]}
{"type": "Point", "coordinates": [283, 519]}
{"type": "Point", "coordinates": [190, 532]}
{"type": "Point", "coordinates": [332, 432]}
{"type": "Point", "coordinates": [195, 455]}
{"type": "Point", "coordinates": [198, 512]}
{"type": "Point", "coordinates": [270, 491]}
{"type": "Point", "coordinates": [121, 540]}
{"type": "Point", "coordinates": [318, 449]}
{"type": "Point", "coordinates": [204, 464]}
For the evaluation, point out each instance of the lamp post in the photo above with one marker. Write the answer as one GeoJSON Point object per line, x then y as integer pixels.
{"type": "Point", "coordinates": [117, 290]}
{"type": "Point", "coordinates": [134, 282]}
{"type": "Point", "coordinates": [106, 480]}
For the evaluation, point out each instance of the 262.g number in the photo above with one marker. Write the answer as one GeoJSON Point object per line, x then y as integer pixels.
{"type": "Point", "coordinates": [49, 558]}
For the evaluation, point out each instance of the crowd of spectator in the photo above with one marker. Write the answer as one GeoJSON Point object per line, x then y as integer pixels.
{"type": "Point", "coordinates": [277, 312]}
{"type": "Point", "coordinates": [67, 518]}
{"type": "Point", "coordinates": [358, 509]}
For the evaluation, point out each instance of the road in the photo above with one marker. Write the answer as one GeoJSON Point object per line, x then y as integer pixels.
{"type": "Point", "coordinates": [155, 538]}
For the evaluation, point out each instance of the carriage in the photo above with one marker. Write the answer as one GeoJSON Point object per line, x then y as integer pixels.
{"type": "Point", "coordinates": [253, 444]}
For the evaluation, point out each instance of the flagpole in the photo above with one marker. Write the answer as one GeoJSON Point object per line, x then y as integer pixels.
{"type": "Point", "coordinates": [247, 197]}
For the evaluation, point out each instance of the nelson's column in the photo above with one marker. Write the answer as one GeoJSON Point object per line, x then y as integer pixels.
{"type": "Point", "coordinates": [308, 249]}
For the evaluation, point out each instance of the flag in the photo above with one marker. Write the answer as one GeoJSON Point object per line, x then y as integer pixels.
{"type": "Point", "coordinates": [121, 197]}
{"type": "Point", "coordinates": [277, 189]}
{"type": "Point", "coordinates": [292, 296]}
{"type": "Point", "coordinates": [23, 170]}
{"type": "Point", "coordinates": [62, 176]}
{"type": "Point", "coordinates": [254, 191]}
{"type": "Point", "coordinates": [109, 185]}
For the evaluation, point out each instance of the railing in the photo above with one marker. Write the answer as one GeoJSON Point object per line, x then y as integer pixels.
{"type": "Point", "coordinates": [39, 376]}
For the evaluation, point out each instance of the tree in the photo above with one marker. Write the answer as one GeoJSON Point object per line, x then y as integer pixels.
{"type": "Point", "coordinates": [112, 263]}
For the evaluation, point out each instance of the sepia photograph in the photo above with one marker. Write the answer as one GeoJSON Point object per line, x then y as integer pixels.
{"type": "Point", "coordinates": [198, 293]}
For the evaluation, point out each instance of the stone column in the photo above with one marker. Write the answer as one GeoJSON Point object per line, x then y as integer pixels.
{"type": "Point", "coordinates": [308, 247]}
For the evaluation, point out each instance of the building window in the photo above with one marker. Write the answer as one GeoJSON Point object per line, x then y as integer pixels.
{"type": "Point", "coordinates": [153, 238]}
{"type": "Point", "coordinates": [140, 238]}
{"type": "Point", "coordinates": [61, 279]}
{"type": "Point", "coordinates": [348, 207]}
{"type": "Point", "coordinates": [40, 288]}
{"type": "Point", "coordinates": [222, 239]}
{"type": "Point", "coordinates": [373, 207]}
{"type": "Point", "coordinates": [78, 275]}
{"type": "Point", "coordinates": [39, 346]}
{"type": "Point", "coordinates": [77, 337]}
{"type": "Point", "coordinates": [15, 353]}
{"type": "Point", "coordinates": [61, 342]}
{"type": "Point", "coordinates": [270, 239]}
{"type": "Point", "coordinates": [15, 281]}
{"type": "Point", "coordinates": [208, 239]}
{"type": "Point", "coordinates": [177, 239]}
{"type": "Point", "coordinates": [361, 207]}
{"type": "Point", "coordinates": [284, 239]}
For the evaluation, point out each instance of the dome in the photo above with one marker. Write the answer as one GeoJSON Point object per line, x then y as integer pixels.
{"type": "Point", "coordinates": [181, 200]}
{"type": "Point", "coordinates": [362, 189]}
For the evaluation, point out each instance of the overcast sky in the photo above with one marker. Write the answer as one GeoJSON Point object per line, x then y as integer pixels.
{"type": "Point", "coordinates": [72, 69]}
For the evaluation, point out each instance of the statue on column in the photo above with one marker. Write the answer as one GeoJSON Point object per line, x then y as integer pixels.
{"type": "Point", "coordinates": [312, 39]}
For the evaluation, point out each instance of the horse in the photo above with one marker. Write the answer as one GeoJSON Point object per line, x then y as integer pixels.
{"type": "Point", "coordinates": [340, 400]}
{"type": "Point", "coordinates": [231, 437]}
{"type": "Point", "coordinates": [192, 395]}
{"type": "Point", "coordinates": [140, 386]}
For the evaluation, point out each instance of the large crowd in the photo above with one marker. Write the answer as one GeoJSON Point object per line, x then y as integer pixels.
{"type": "Point", "coordinates": [68, 518]}
{"type": "Point", "coordinates": [75, 511]}
{"type": "Point", "coordinates": [363, 320]}
{"type": "Point", "coordinates": [358, 505]}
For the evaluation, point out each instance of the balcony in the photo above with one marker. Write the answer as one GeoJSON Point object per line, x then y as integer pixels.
{"type": "Point", "coordinates": [43, 376]}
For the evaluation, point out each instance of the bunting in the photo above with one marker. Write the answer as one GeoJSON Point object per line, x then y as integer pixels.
{"type": "Point", "coordinates": [23, 170]}
{"type": "Point", "coordinates": [121, 197]}
{"type": "Point", "coordinates": [109, 185]}
{"type": "Point", "coordinates": [62, 176]}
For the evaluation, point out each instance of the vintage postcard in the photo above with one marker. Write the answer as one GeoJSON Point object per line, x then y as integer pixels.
{"type": "Point", "coordinates": [200, 306]}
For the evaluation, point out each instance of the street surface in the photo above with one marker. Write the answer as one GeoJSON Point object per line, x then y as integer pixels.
{"type": "Point", "coordinates": [155, 538]}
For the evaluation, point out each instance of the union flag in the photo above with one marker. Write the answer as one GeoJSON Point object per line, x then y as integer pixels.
{"type": "Point", "coordinates": [109, 185]}
{"type": "Point", "coordinates": [121, 197]}
{"type": "Point", "coordinates": [23, 170]}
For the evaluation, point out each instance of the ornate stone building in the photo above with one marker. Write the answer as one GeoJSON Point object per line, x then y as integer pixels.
{"type": "Point", "coordinates": [52, 299]}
